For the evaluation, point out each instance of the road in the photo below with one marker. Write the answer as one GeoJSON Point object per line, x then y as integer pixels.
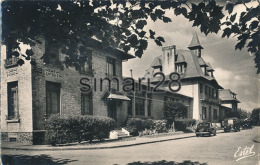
{"type": "Point", "coordinates": [223, 149]}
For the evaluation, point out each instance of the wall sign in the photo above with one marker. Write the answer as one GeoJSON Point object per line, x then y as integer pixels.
{"type": "Point", "coordinates": [52, 72]}
{"type": "Point", "coordinates": [11, 72]}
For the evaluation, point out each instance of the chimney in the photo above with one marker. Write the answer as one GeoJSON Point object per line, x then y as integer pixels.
{"type": "Point", "coordinates": [168, 59]}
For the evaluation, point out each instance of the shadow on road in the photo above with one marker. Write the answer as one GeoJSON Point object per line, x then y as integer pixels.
{"type": "Point", "coordinates": [33, 160]}
{"type": "Point", "coordinates": [164, 162]}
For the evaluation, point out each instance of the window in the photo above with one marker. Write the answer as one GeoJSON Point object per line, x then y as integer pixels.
{"type": "Point", "coordinates": [52, 51]}
{"type": "Point", "coordinates": [204, 113]}
{"type": "Point", "coordinates": [139, 106]}
{"type": "Point", "coordinates": [201, 88]}
{"type": "Point", "coordinates": [129, 108]}
{"type": "Point", "coordinates": [13, 100]}
{"type": "Point", "coordinates": [215, 114]}
{"type": "Point", "coordinates": [111, 67]}
{"type": "Point", "coordinates": [206, 90]}
{"type": "Point", "coordinates": [86, 104]}
{"type": "Point", "coordinates": [149, 107]}
{"type": "Point", "coordinates": [87, 66]}
{"type": "Point", "coordinates": [209, 117]}
{"type": "Point", "coordinates": [52, 98]}
{"type": "Point", "coordinates": [217, 94]}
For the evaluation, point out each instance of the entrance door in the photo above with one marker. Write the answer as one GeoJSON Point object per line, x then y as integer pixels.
{"type": "Point", "coordinates": [111, 107]}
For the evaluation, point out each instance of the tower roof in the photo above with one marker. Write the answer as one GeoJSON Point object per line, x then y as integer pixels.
{"type": "Point", "coordinates": [195, 42]}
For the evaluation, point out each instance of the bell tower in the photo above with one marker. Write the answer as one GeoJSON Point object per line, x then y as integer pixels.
{"type": "Point", "coordinates": [195, 46]}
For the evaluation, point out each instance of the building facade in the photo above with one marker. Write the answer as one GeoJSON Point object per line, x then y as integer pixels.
{"type": "Point", "coordinates": [32, 93]}
{"type": "Point", "coordinates": [196, 77]}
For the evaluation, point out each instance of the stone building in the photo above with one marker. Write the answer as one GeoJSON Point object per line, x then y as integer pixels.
{"type": "Point", "coordinates": [31, 93]}
{"type": "Point", "coordinates": [196, 77]}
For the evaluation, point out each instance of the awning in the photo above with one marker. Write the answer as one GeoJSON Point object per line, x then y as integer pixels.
{"type": "Point", "coordinates": [115, 96]}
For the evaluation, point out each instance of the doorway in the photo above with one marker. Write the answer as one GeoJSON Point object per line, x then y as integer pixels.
{"type": "Point", "coordinates": [112, 109]}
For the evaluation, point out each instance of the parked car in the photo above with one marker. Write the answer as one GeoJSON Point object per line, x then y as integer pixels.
{"type": "Point", "coordinates": [246, 124]}
{"type": "Point", "coordinates": [231, 124]}
{"type": "Point", "coordinates": [205, 128]}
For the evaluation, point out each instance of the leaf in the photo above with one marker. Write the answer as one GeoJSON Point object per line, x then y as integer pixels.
{"type": "Point", "coordinates": [159, 13]}
{"type": "Point", "coordinates": [240, 44]}
{"type": "Point", "coordinates": [233, 17]}
{"type": "Point", "coordinates": [33, 63]}
{"type": "Point", "coordinates": [126, 48]}
{"type": "Point", "coordinates": [20, 62]}
{"type": "Point", "coordinates": [177, 11]}
{"type": "Point", "coordinates": [229, 7]}
{"type": "Point", "coordinates": [29, 52]}
{"type": "Point", "coordinates": [160, 39]}
{"type": "Point", "coordinates": [184, 11]}
{"type": "Point", "coordinates": [254, 25]}
{"type": "Point", "coordinates": [143, 44]}
{"type": "Point", "coordinates": [15, 53]}
{"type": "Point", "coordinates": [153, 17]}
{"type": "Point", "coordinates": [133, 40]}
{"type": "Point", "coordinates": [142, 33]}
{"type": "Point", "coordinates": [151, 5]}
{"type": "Point", "coordinates": [158, 42]}
{"type": "Point", "coordinates": [227, 32]}
{"type": "Point", "coordinates": [140, 24]}
{"type": "Point", "coordinates": [166, 20]}
{"type": "Point", "coordinates": [139, 53]}
{"type": "Point", "coordinates": [152, 33]}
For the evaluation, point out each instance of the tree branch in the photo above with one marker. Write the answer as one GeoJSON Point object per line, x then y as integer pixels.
{"type": "Point", "coordinates": [188, 6]}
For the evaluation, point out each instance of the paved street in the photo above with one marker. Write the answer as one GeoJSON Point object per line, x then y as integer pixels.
{"type": "Point", "coordinates": [217, 150]}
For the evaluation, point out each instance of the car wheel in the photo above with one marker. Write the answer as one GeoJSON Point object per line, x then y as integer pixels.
{"type": "Point", "coordinates": [197, 135]}
{"type": "Point", "coordinates": [215, 133]}
{"type": "Point", "coordinates": [209, 134]}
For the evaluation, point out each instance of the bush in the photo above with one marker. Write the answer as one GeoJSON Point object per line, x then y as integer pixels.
{"type": "Point", "coordinates": [61, 129]}
{"type": "Point", "coordinates": [136, 125]}
{"type": "Point", "coordinates": [160, 126]}
{"type": "Point", "coordinates": [182, 124]}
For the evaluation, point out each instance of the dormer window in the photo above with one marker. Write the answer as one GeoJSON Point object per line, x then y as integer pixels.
{"type": "Point", "coordinates": [180, 68]}
{"type": "Point", "coordinates": [180, 64]}
{"type": "Point", "coordinates": [210, 69]}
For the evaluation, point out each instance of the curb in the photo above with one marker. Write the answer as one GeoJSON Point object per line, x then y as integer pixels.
{"type": "Point", "coordinates": [96, 148]}
{"type": "Point", "coordinates": [92, 148]}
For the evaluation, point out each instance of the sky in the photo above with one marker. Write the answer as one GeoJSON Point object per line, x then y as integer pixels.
{"type": "Point", "coordinates": [234, 70]}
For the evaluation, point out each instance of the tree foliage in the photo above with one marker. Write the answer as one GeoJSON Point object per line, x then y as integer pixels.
{"type": "Point", "coordinates": [119, 24]}
{"type": "Point", "coordinates": [240, 113]}
{"type": "Point", "coordinates": [254, 117]}
{"type": "Point", "coordinates": [174, 110]}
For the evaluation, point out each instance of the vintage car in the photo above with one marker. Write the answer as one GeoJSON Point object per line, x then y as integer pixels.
{"type": "Point", "coordinates": [246, 124]}
{"type": "Point", "coordinates": [231, 124]}
{"type": "Point", "coordinates": [205, 128]}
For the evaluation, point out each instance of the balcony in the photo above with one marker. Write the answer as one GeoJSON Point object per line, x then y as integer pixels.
{"type": "Point", "coordinates": [209, 99]}
{"type": "Point", "coordinates": [11, 62]}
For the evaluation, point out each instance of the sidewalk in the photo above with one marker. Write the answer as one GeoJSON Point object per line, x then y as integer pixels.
{"type": "Point", "coordinates": [114, 144]}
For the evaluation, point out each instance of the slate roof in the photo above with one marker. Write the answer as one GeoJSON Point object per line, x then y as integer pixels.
{"type": "Point", "coordinates": [157, 62]}
{"type": "Point", "coordinates": [202, 62]}
{"type": "Point", "coordinates": [195, 41]}
{"type": "Point", "coordinates": [180, 59]}
{"type": "Point", "coordinates": [209, 68]}
{"type": "Point", "coordinates": [194, 65]}
{"type": "Point", "coordinates": [226, 95]}
{"type": "Point", "coordinates": [193, 69]}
